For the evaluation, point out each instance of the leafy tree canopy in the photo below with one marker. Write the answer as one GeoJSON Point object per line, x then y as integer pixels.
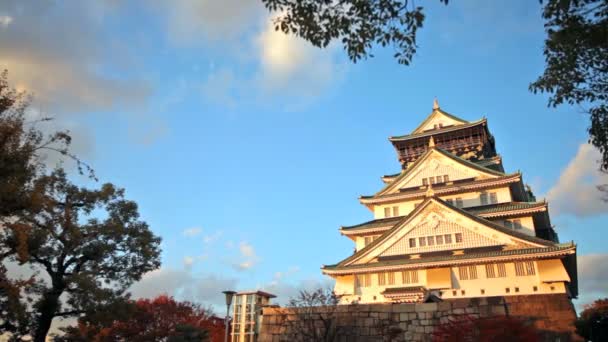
{"type": "Point", "coordinates": [159, 319]}
{"type": "Point", "coordinates": [88, 245]}
{"type": "Point", "coordinates": [592, 323]}
{"type": "Point", "coordinates": [576, 56]}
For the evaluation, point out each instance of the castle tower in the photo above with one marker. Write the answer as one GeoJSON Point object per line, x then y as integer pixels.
{"type": "Point", "coordinates": [452, 224]}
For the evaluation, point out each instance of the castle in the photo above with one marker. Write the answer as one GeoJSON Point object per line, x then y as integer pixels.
{"type": "Point", "coordinates": [452, 224]}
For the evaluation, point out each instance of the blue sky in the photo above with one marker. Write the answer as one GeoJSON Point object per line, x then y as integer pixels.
{"type": "Point", "coordinates": [246, 150]}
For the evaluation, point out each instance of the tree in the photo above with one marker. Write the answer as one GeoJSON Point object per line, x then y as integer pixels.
{"type": "Point", "coordinates": [576, 56]}
{"type": "Point", "coordinates": [486, 329]}
{"type": "Point", "coordinates": [576, 47]}
{"type": "Point", "coordinates": [359, 25]}
{"type": "Point", "coordinates": [21, 145]}
{"type": "Point", "coordinates": [159, 319]}
{"type": "Point", "coordinates": [592, 323]}
{"type": "Point", "coordinates": [89, 246]}
{"type": "Point", "coordinates": [316, 317]}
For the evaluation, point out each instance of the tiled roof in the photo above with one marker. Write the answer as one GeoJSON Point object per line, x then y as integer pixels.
{"type": "Point", "coordinates": [461, 257]}
{"type": "Point", "coordinates": [486, 210]}
{"type": "Point", "coordinates": [480, 220]}
{"type": "Point", "coordinates": [390, 221]}
{"type": "Point", "coordinates": [443, 189]}
{"type": "Point", "coordinates": [441, 111]}
{"type": "Point", "coordinates": [505, 207]}
{"type": "Point", "coordinates": [444, 153]}
{"type": "Point", "coordinates": [436, 131]}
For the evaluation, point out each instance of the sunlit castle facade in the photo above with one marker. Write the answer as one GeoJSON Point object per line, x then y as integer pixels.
{"type": "Point", "coordinates": [452, 224]}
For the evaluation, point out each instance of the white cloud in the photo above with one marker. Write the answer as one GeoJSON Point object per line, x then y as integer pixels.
{"type": "Point", "coordinates": [288, 64]}
{"type": "Point", "coordinates": [190, 21]}
{"type": "Point", "coordinates": [5, 20]}
{"type": "Point", "coordinates": [285, 290]}
{"type": "Point", "coordinates": [212, 237]}
{"type": "Point", "coordinates": [576, 190]}
{"type": "Point", "coordinates": [191, 232]}
{"type": "Point", "coordinates": [248, 257]}
{"type": "Point", "coordinates": [182, 284]}
{"type": "Point", "coordinates": [593, 278]}
{"type": "Point", "coordinates": [188, 261]}
{"type": "Point", "coordinates": [246, 250]}
{"type": "Point", "coordinates": [57, 51]}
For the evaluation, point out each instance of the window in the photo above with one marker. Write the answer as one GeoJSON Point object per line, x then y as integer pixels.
{"type": "Point", "coordinates": [387, 212]}
{"type": "Point", "coordinates": [473, 272]}
{"type": "Point", "coordinates": [422, 241]}
{"type": "Point", "coordinates": [458, 237]}
{"type": "Point", "coordinates": [507, 290]}
{"type": "Point", "coordinates": [502, 270]}
{"type": "Point", "coordinates": [517, 224]}
{"type": "Point", "coordinates": [493, 198]}
{"type": "Point", "coordinates": [364, 280]}
{"type": "Point", "coordinates": [490, 271]}
{"type": "Point", "coordinates": [530, 268]}
{"type": "Point", "coordinates": [508, 224]}
{"type": "Point", "coordinates": [395, 211]}
{"type": "Point", "coordinates": [439, 179]}
{"type": "Point", "coordinates": [382, 278]}
{"type": "Point", "coordinates": [446, 178]}
{"type": "Point", "coordinates": [430, 240]}
{"type": "Point", "coordinates": [458, 202]}
{"type": "Point", "coordinates": [450, 201]}
{"type": "Point", "coordinates": [483, 198]}
{"type": "Point", "coordinates": [447, 238]}
{"type": "Point", "coordinates": [432, 180]}
{"type": "Point", "coordinates": [483, 291]}
{"type": "Point", "coordinates": [368, 240]}
{"type": "Point", "coordinates": [425, 181]}
{"type": "Point", "coordinates": [412, 243]}
{"type": "Point", "coordinates": [409, 277]}
{"type": "Point", "coordinates": [391, 278]}
{"type": "Point", "coordinates": [439, 239]}
{"type": "Point", "coordinates": [463, 273]}
{"type": "Point", "coordinates": [519, 269]}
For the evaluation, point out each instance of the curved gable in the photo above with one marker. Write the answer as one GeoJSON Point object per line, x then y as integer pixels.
{"type": "Point", "coordinates": [436, 162]}
{"type": "Point", "coordinates": [435, 218]}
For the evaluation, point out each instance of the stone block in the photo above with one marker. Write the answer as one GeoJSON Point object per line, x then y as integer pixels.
{"type": "Point", "coordinates": [404, 308]}
{"type": "Point", "coordinates": [458, 311]}
{"type": "Point", "coordinates": [403, 317]}
{"type": "Point", "coordinates": [426, 307]}
{"type": "Point", "coordinates": [428, 329]}
{"type": "Point", "coordinates": [497, 310]}
{"type": "Point", "coordinates": [444, 306]}
{"type": "Point", "coordinates": [471, 310]}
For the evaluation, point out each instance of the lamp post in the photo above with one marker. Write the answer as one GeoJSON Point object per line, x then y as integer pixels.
{"type": "Point", "coordinates": [229, 295]}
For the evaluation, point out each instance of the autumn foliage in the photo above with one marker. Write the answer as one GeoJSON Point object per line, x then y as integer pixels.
{"type": "Point", "coordinates": [592, 323]}
{"type": "Point", "coordinates": [159, 319]}
{"type": "Point", "coordinates": [487, 329]}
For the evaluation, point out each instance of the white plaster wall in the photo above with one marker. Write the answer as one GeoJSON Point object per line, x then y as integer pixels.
{"type": "Point", "coordinates": [471, 288]}
{"type": "Point", "coordinates": [469, 199]}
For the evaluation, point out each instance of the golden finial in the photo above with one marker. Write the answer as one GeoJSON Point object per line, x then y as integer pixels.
{"type": "Point", "coordinates": [431, 142]}
{"type": "Point", "coordinates": [435, 104]}
{"type": "Point", "coordinates": [429, 191]}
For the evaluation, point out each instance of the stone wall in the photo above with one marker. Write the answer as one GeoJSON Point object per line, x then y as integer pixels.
{"type": "Point", "coordinates": [553, 315]}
